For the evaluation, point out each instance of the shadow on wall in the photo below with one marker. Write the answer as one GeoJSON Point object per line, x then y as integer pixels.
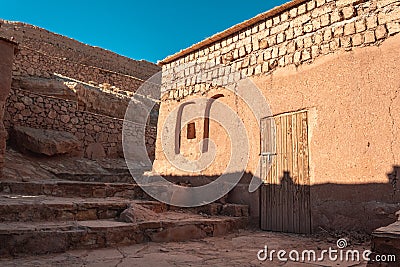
{"type": "Point", "coordinates": [287, 206]}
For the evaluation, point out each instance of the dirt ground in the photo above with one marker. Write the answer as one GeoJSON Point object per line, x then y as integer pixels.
{"type": "Point", "coordinates": [238, 249]}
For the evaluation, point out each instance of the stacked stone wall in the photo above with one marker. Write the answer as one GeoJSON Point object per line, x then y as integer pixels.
{"type": "Point", "coordinates": [106, 81]}
{"type": "Point", "coordinates": [38, 64]}
{"type": "Point", "coordinates": [58, 46]}
{"type": "Point", "coordinates": [97, 133]}
{"type": "Point", "coordinates": [294, 36]}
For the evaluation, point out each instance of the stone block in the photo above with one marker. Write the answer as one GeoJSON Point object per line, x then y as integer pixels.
{"type": "Point", "coordinates": [291, 47]}
{"type": "Point", "coordinates": [47, 142]}
{"type": "Point", "coordinates": [284, 16]}
{"type": "Point", "coordinates": [298, 31]}
{"type": "Point", "coordinates": [293, 12]}
{"type": "Point", "coordinates": [348, 12]}
{"type": "Point", "coordinates": [357, 39]}
{"type": "Point", "coordinates": [345, 41]}
{"type": "Point", "coordinates": [318, 38]}
{"type": "Point", "coordinates": [380, 32]}
{"type": "Point", "coordinates": [263, 44]}
{"type": "Point", "coordinates": [95, 151]}
{"type": "Point", "coordinates": [369, 37]}
{"type": "Point", "coordinates": [393, 27]}
{"type": "Point", "coordinates": [302, 9]}
{"type": "Point", "coordinates": [289, 34]}
{"type": "Point", "coordinates": [336, 16]}
{"type": "Point", "coordinates": [136, 213]}
{"type": "Point", "coordinates": [280, 38]}
{"type": "Point", "coordinates": [338, 31]}
{"type": "Point", "coordinates": [360, 25]}
{"type": "Point", "coordinates": [320, 2]}
{"type": "Point", "coordinates": [328, 35]}
{"type": "Point", "coordinates": [297, 57]}
{"type": "Point", "coordinates": [308, 28]}
{"type": "Point", "coordinates": [305, 55]}
{"type": "Point", "coordinates": [314, 51]}
{"type": "Point", "coordinates": [325, 49]}
{"type": "Point", "coordinates": [311, 5]}
{"type": "Point", "coordinates": [276, 20]}
{"type": "Point", "coordinates": [308, 42]}
{"type": "Point", "coordinates": [334, 44]}
{"type": "Point", "coordinates": [316, 23]}
{"type": "Point", "coordinates": [372, 22]}
{"type": "Point", "coordinates": [349, 29]}
{"type": "Point", "coordinates": [325, 20]}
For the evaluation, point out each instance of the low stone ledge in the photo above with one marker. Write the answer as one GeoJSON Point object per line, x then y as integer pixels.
{"type": "Point", "coordinates": [46, 142]}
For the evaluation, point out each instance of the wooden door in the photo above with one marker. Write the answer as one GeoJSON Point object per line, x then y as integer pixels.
{"type": "Point", "coordinates": [285, 194]}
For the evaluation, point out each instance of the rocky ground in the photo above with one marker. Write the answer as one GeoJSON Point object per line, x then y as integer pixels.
{"type": "Point", "coordinates": [238, 249]}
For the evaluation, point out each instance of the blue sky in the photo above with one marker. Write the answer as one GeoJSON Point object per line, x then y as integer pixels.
{"type": "Point", "coordinates": [149, 30]}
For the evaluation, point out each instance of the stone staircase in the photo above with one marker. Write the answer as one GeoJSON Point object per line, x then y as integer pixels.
{"type": "Point", "coordinates": [56, 215]}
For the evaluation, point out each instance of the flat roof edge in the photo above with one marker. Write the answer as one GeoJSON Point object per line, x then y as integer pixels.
{"type": "Point", "coordinates": [8, 40]}
{"type": "Point", "coordinates": [234, 29]}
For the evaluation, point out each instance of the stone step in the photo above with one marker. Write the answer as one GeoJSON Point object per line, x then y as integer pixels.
{"type": "Point", "coordinates": [111, 176]}
{"type": "Point", "coordinates": [41, 238]}
{"type": "Point", "coordinates": [18, 208]}
{"type": "Point", "coordinates": [100, 178]}
{"type": "Point", "coordinates": [62, 188]}
{"type": "Point", "coordinates": [73, 189]}
{"type": "Point", "coordinates": [49, 208]}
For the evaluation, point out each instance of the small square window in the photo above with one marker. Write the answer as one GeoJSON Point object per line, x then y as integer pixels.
{"type": "Point", "coordinates": [191, 131]}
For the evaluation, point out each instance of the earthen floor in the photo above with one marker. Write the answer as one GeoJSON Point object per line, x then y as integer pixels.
{"type": "Point", "coordinates": [238, 249]}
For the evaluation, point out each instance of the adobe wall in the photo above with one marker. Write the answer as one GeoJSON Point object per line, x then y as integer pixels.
{"type": "Point", "coordinates": [354, 107]}
{"type": "Point", "coordinates": [7, 50]}
{"type": "Point", "coordinates": [340, 61]}
{"type": "Point", "coordinates": [101, 136]}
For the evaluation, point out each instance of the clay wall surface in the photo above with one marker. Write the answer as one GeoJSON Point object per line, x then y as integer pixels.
{"type": "Point", "coordinates": [337, 59]}
{"type": "Point", "coordinates": [7, 50]}
{"type": "Point", "coordinates": [353, 101]}
{"type": "Point", "coordinates": [101, 136]}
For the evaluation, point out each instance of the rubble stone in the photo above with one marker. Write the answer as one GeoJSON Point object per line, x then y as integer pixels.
{"type": "Point", "coordinates": [47, 142]}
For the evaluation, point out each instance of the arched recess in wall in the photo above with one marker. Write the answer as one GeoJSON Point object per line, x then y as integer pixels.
{"type": "Point", "coordinates": [178, 127]}
{"type": "Point", "coordinates": [206, 133]}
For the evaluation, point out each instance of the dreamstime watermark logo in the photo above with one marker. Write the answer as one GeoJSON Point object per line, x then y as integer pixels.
{"type": "Point", "coordinates": [212, 109]}
{"type": "Point", "coordinates": [340, 253]}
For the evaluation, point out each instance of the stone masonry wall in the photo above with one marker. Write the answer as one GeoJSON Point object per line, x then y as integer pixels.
{"type": "Point", "coordinates": [33, 63]}
{"type": "Point", "coordinates": [58, 46]}
{"type": "Point", "coordinates": [109, 76]}
{"type": "Point", "coordinates": [101, 136]}
{"type": "Point", "coordinates": [293, 37]}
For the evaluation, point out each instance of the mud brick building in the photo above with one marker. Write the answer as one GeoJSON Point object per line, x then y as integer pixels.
{"type": "Point", "coordinates": [329, 71]}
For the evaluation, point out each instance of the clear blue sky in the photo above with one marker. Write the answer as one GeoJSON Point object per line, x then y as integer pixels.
{"type": "Point", "coordinates": [149, 30]}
